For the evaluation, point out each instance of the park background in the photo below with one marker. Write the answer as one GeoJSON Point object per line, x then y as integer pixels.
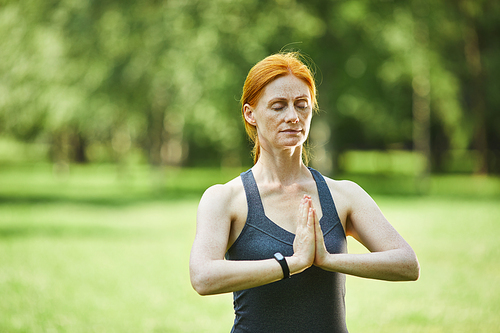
{"type": "Point", "coordinates": [115, 116]}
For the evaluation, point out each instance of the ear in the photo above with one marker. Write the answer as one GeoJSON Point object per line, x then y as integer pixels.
{"type": "Point", "coordinates": [248, 112]}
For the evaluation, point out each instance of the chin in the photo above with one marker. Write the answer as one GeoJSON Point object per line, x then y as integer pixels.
{"type": "Point", "coordinates": [292, 143]}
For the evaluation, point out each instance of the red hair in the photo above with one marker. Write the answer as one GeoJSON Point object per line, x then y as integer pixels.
{"type": "Point", "coordinates": [263, 73]}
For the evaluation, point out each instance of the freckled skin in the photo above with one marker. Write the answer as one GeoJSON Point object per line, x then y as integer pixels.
{"type": "Point", "coordinates": [283, 114]}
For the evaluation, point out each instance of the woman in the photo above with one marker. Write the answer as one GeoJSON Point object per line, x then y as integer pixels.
{"type": "Point", "coordinates": [276, 235]}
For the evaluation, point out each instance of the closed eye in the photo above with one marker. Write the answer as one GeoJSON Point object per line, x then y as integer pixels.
{"type": "Point", "coordinates": [302, 104]}
{"type": "Point", "coordinates": [278, 106]}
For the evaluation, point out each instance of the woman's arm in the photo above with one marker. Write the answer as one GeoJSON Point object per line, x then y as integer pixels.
{"type": "Point", "coordinates": [211, 274]}
{"type": "Point", "coordinates": [391, 257]}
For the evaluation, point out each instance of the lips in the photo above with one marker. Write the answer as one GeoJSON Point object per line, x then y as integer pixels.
{"type": "Point", "coordinates": [291, 131]}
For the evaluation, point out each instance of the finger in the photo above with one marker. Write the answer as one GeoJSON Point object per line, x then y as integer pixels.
{"type": "Point", "coordinates": [317, 227]}
{"type": "Point", "coordinates": [320, 240]}
{"type": "Point", "coordinates": [310, 226]}
{"type": "Point", "coordinates": [302, 217]}
{"type": "Point", "coordinates": [306, 199]}
{"type": "Point", "coordinates": [303, 212]}
{"type": "Point", "coordinates": [311, 218]}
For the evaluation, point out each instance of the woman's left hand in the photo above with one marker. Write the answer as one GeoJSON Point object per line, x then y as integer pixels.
{"type": "Point", "coordinates": [321, 252]}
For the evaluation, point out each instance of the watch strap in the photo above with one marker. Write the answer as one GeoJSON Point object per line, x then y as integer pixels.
{"type": "Point", "coordinates": [284, 265]}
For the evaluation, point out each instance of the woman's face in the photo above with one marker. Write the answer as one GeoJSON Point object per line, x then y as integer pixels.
{"type": "Point", "coordinates": [283, 114]}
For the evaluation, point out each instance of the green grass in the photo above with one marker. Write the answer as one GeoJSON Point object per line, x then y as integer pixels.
{"type": "Point", "coordinates": [100, 251]}
{"type": "Point", "coordinates": [456, 241]}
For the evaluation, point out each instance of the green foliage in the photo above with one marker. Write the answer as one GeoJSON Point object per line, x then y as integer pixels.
{"type": "Point", "coordinates": [164, 78]}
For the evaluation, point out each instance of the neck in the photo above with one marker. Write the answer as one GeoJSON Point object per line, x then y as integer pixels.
{"type": "Point", "coordinates": [284, 167]}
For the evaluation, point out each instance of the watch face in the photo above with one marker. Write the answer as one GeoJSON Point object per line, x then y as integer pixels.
{"type": "Point", "coordinates": [279, 256]}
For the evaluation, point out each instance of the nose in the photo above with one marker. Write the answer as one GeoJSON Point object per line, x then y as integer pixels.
{"type": "Point", "coordinates": [292, 116]}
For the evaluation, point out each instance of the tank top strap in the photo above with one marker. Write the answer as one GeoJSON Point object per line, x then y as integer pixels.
{"type": "Point", "coordinates": [327, 204]}
{"type": "Point", "coordinates": [257, 218]}
{"type": "Point", "coordinates": [255, 207]}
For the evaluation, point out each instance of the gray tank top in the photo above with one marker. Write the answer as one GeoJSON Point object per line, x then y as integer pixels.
{"type": "Point", "coordinates": [312, 301]}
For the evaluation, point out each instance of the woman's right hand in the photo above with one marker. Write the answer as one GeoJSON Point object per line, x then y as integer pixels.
{"type": "Point", "coordinates": [304, 244]}
{"type": "Point", "coordinates": [211, 274]}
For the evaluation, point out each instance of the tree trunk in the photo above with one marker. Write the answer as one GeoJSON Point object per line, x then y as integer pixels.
{"type": "Point", "coordinates": [473, 58]}
{"type": "Point", "coordinates": [155, 132]}
{"type": "Point", "coordinates": [421, 106]}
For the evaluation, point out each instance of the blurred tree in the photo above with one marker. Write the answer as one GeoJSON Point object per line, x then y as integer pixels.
{"type": "Point", "coordinates": [472, 12]}
{"type": "Point", "coordinates": [164, 77]}
{"type": "Point", "coordinates": [382, 59]}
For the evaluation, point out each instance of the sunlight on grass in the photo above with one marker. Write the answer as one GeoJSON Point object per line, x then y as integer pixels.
{"type": "Point", "coordinates": [99, 252]}
{"type": "Point", "coordinates": [458, 288]}
{"type": "Point", "coordinates": [122, 269]}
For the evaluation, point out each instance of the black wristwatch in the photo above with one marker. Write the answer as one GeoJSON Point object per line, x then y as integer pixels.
{"type": "Point", "coordinates": [284, 266]}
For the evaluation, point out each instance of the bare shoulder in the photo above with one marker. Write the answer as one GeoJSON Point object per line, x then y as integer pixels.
{"type": "Point", "coordinates": [224, 192]}
{"type": "Point", "coordinates": [220, 199]}
{"type": "Point", "coordinates": [348, 197]}
{"type": "Point", "coordinates": [221, 216]}
{"type": "Point", "coordinates": [346, 189]}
